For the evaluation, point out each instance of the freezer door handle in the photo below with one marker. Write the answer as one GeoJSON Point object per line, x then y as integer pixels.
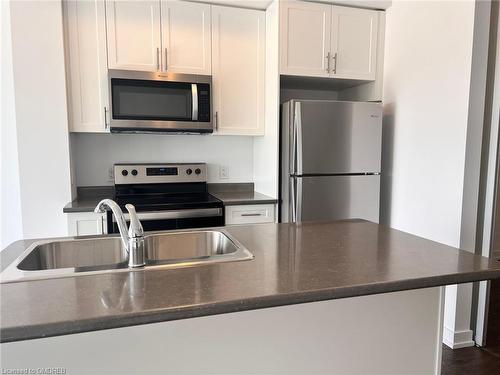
{"type": "Point", "coordinates": [298, 209]}
{"type": "Point", "coordinates": [296, 197]}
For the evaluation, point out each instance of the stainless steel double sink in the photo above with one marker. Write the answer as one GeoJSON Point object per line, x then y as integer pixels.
{"type": "Point", "coordinates": [91, 255]}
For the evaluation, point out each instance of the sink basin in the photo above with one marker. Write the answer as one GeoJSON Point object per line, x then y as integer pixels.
{"type": "Point", "coordinates": [84, 256]}
{"type": "Point", "coordinates": [79, 254]}
{"type": "Point", "coordinates": [168, 248]}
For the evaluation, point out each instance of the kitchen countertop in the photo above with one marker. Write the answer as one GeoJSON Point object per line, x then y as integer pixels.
{"type": "Point", "coordinates": [293, 264]}
{"type": "Point", "coordinates": [229, 194]}
{"type": "Point", "coordinates": [230, 198]}
{"type": "Point", "coordinates": [88, 197]}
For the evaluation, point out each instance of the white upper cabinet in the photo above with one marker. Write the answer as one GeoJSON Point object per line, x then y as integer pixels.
{"type": "Point", "coordinates": [186, 39]}
{"type": "Point", "coordinates": [238, 70]}
{"type": "Point", "coordinates": [85, 25]}
{"type": "Point", "coordinates": [133, 29]}
{"type": "Point", "coordinates": [305, 38]}
{"type": "Point", "coordinates": [354, 41]}
{"type": "Point", "coordinates": [319, 40]}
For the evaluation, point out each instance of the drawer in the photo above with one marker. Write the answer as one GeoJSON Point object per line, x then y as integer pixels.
{"type": "Point", "coordinates": [250, 214]}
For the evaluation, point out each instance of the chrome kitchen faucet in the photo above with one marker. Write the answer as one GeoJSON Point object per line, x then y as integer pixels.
{"type": "Point", "coordinates": [133, 240]}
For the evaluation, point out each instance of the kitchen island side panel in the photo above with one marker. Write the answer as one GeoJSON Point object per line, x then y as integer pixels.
{"type": "Point", "coordinates": [393, 333]}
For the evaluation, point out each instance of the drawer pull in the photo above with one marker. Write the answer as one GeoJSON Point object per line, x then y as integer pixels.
{"type": "Point", "coordinates": [255, 214]}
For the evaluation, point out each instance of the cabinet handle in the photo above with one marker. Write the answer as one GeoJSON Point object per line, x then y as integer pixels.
{"type": "Point", "coordinates": [216, 120]}
{"type": "Point", "coordinates": [328, 62]}
{"type": "Point", "coordinates": [256, 214]}
{"type": "Point", "coordinates": [105, 117]}
{"type": "Point", "coordinates": [166, 58]}
{"type": "Point", "coordinates": [335, 63]}
{"type": "Point", "coordinates": [157, 58]}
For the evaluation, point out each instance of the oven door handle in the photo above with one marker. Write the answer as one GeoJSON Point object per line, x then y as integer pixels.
{"type": "Point", "coordinates": [194, 93]}
{"type": "Point", "coordinates": [176, 214]}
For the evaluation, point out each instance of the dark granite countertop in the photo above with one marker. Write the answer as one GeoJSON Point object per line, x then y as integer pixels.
{"type": "Point", "coordinates": [230, 194]}
{"type": "Point", "coordinates": [293, 264]}
{"type": "Point", "coordinates": [230, 198]}
{"type": "Point", "coordinates": [239, 193]}
{"type": "Point", "coordinates": [88, 197]}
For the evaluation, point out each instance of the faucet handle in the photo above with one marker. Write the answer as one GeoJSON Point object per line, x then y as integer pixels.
{"type": "Point", "coordinates": [135, 228]}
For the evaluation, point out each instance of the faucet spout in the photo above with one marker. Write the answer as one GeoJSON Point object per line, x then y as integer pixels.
{"type": "Point", "coordinates": [133, 239]}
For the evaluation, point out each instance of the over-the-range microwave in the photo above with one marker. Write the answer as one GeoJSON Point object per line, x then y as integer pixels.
{"type": "Point", "coordinates": [143, 102]}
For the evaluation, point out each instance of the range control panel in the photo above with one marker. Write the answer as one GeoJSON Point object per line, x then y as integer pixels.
{"type": "Point", "coordinates": [159, 173]}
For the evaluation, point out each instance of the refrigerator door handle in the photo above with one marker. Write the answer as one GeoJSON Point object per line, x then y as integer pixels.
{"type": "Point", "coordinates": [293, 200]}
{"type": "Point", "coordinates": [293, 143]}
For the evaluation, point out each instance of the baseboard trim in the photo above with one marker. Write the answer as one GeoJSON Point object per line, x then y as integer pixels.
{"type": "Point", "coordinates": [458, 339]}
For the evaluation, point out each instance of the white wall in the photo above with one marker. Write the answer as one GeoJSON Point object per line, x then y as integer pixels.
{"type": "Point", "coordinates": [94, 154]}
{"type": "Point", "coordinates": [41, 116]}
{"type": "Point", "coordinates": [426, 92]}
{"type": "Point", "coordinates": [11, 228]}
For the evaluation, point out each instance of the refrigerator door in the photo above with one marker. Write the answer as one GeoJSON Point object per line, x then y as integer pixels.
{"type": "Point", "coordinates": [335, 198]}
{"type": "Point", "coordinates": [332, 137]}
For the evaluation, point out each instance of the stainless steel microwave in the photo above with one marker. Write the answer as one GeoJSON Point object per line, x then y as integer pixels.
{"type": "Point", "coordinates": [144, 102]}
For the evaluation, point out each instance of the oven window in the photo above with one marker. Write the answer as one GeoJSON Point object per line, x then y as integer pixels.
{"type": "Point", "coordinates": [151, 100]}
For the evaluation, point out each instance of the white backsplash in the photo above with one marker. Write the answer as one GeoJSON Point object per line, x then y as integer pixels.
{"type": "Point", "coordinates": [94, 154]}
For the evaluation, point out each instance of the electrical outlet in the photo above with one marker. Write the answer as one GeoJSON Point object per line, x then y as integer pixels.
{"type": "Point", "coordinates": [224, 172]}
{"type": "Point", "coordinates": [111, 174]}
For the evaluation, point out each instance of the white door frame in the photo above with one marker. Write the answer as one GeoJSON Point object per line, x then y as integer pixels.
{"type": "Point", "coordinates": [490, 198]}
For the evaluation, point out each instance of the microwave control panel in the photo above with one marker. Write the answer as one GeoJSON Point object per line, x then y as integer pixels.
{"type": "Point", "coordinates": [204, 102]}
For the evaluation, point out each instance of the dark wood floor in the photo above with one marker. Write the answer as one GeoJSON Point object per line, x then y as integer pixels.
{"type": "Point", "coordinates": [474, 361]}
{"type": "Point", "coordinates": [493, 331]}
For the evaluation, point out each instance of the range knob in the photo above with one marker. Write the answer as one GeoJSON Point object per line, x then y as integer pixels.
{"type": "Point", "coordinates": [134, 172]}
{"type": "Point", "coordinates": [124, 172]}
{"type": "Point", "coordinates": [197, 171]}
{"type": "Point", "coordinates": [189, 171]}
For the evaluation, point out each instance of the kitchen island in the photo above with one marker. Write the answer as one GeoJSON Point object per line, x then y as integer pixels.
{"type": "Point", "coordinates": [326, 297]}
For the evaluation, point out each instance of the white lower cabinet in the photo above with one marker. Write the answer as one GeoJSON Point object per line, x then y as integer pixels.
{"type": "Point", "coordinates": [250, 214]}
{"type": "Point", "coordinates": [87, 223]}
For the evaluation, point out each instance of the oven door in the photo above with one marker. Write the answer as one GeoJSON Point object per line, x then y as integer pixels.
{"type": "Point", "coordinates": [174, 219]}
{"type": "Point", "coordinates": [159, 102]}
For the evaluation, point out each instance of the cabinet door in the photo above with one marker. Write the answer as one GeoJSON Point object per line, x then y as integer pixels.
{"type": "Point", "coordinates": [86, 224]}
{"type": "Point", "coordinates": [133, 34]}
{"type": "Point", "coordinates": [305, 38]}
{"type": "Point", "coordinates": [238, 70]}
{"type": "Point", "coordinates": [354, 43]}
{"type": "Point", "coordinates": [85, 24]}
{"type": "Point", "coordinates": [186, 39]}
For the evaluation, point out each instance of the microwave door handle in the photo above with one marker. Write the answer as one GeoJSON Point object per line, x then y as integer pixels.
{"type": "Point", "coordinates": [194, 93]}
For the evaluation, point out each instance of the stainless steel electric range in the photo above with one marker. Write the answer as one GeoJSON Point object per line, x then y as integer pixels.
{"type": "Point", "coordinates": [166, 196]}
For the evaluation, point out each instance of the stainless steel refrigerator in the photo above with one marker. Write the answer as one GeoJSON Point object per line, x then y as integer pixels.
{"type": "Point", "coordinates": [330, 160]}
